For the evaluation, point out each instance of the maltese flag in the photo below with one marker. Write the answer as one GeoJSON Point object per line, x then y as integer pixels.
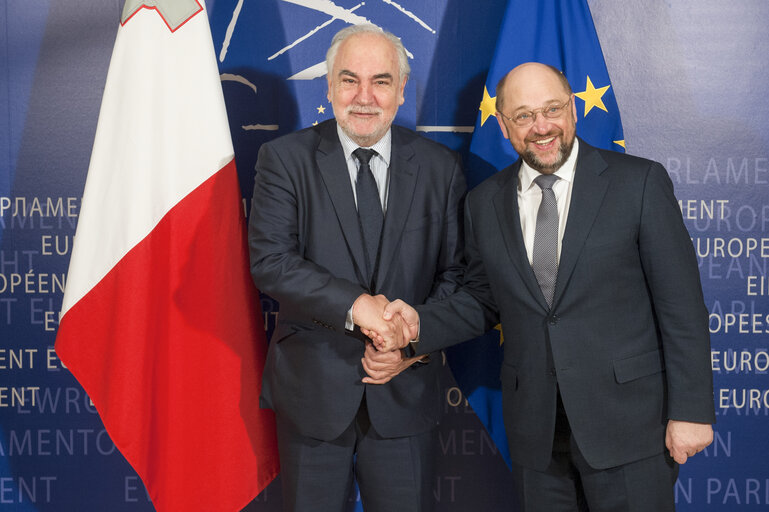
{"type": "Point", "coordinates": [161, 322]}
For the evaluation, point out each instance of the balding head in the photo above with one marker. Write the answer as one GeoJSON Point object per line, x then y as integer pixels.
{"type": "Point", "coordinates": [536, 112]}
{"type": "Point", "coordinates": [523, 72]}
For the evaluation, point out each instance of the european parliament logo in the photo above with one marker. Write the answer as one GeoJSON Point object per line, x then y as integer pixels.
{"type": "Point", "coordinates": [275, 52]}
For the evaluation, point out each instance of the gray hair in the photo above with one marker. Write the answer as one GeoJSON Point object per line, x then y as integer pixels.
{"type": "Point", "coordinates": [367, 28]}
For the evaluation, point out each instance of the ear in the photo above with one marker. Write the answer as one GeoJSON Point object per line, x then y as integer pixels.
{"type": "Point", "coordinates": [402, 88]}
{"type": "Point", "coordinates": [502, 125]}
{"type": "Point", "coordinates": [574, 108]}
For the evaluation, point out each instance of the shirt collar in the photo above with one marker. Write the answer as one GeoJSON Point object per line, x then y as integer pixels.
{"type": "Point", "coordinates": [383, 146]}
{"type": "Point", "coordinates": [527, 175]}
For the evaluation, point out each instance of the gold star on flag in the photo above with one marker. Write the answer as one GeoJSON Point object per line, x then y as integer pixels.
{"type": "Point", "coordinates": [315, 123]}
{"type": "Point", "coordinates": [620, 143]}
{"type": "Point", "coordinates": [488, 106]}
{"type": "Point", "coordinates": [501, 334]}
{"type": "Point", "coordinates": [321, 109]}
{"type": "Point", "coordinates": [592, 96]}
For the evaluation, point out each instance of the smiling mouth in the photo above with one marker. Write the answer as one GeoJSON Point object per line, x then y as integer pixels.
{"type": "Point", "coordinates": [364, 111]}
{"type": "Point", "coordinates": [542, 143]}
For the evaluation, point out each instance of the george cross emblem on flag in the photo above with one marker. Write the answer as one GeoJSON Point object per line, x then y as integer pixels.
{"type": "Point", "coordinates": [175, 13]}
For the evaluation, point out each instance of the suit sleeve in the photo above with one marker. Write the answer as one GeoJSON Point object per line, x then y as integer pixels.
{"type": "Point", "coordinates": [277, 265]}
{"type": "Point", "coordinates": [450, 267]}
{"type": "Point", "coordinates": [671, 270]}
{"type": "Point", "coordinates": [469, 312]}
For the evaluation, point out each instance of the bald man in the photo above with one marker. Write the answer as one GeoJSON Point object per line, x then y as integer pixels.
{"type": "Point", "coordinates": [583, 256]}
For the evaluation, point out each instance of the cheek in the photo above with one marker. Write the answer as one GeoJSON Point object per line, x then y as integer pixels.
{"type": "Point", "coordinates": [565, 127]}
{"type": "Point", "coordinates": [518, 137]}
{"type": "Point", "coordinates": [342, 96]}
{"type": "Point", "coordinates": [568, 132]}
{"type": "Point", "coordinates": [387, 100]}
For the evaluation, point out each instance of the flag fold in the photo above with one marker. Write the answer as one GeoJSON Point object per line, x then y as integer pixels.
{"type": "Point", "coordinates": [161, 323]}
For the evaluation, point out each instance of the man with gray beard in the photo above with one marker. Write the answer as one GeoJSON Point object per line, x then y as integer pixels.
{"type": "Point", "coordinates": [345, 213]}
{"type": "Point", "coordinates": [584, 257]}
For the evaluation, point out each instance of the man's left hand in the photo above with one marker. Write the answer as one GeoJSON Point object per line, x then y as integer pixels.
{"type": "Point", "coordinates": [685, 439]}
{"type": "Point", "coordinates": [381, 367]}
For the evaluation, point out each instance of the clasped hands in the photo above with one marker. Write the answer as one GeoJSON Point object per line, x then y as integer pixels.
{"type": "Point", "coordinates": [390, 326]}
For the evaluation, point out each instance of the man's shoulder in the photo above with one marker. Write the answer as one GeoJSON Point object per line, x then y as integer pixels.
{"type": "Point", "coordinates": [306, 138]}
{"type": "Point", "coordinates": [402, 136]}
{"type": "Point", "coordinates": [627, 172]}
{"type": "Point", "coordinates": [507, 176]}
{"type": "Point", "coordinates": [616, 158]}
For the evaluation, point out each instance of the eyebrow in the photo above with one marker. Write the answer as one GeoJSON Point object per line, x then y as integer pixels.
{"type": "Point", "coordinates": [547, 102]}
{"type": "Point", "coordinates": [347, 72]}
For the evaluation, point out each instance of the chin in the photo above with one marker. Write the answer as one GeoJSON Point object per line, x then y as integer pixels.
{"type": "Point", "coordinates": [552, 165]}
{"type": "Point", "coordinates": [368, 137]}
{"type": "Point", "coordinates": [554, 161]}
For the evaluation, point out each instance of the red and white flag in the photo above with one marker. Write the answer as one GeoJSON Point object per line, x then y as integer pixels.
{"type": "Point", "coordinates": [161, 322]}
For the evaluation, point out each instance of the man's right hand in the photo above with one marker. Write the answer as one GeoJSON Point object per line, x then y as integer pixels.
{"type": "Point", "coordinates": [396, 311]}
{"type": "Point", "coordinates": [368, 313]}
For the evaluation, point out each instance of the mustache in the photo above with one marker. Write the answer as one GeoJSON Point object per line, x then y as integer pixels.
{"type": "Point", "coordinates": [553, 133]}
{"type": "Point", "coordinates": [362, 109]}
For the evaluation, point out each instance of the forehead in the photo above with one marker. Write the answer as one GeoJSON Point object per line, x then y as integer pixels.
{"type": "Point", "coordinates": [533, 87]}
{"type": "Point", "coordinates": [366, 53]}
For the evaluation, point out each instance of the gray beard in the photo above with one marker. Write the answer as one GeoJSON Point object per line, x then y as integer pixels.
{"type": "Point", "coordinates": [367, 139]}
{"type": "Point", "coordinates": [564, 151]}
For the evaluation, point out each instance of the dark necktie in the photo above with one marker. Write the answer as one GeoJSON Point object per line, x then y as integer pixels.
{"type": "Point", "coordinates": [369, 207]}
{"type": "Point", "coordinates": [545, 255]}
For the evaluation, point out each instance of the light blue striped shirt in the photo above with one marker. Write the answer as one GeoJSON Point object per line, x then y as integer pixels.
{"type": "Point", "coordinates": [379, 164]}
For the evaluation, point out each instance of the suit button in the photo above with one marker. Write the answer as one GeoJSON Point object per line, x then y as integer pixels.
{"type": "Point", "coordinates": [553, 372]}
{"type": "Point", "coordinates": [553, 320]}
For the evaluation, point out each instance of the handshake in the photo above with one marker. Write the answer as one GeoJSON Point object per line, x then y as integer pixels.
{"type": "Point", "coordinates": [391, 326]}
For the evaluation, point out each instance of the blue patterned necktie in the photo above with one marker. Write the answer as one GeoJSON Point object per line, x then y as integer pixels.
{"type": "Point", "coordinates": [545, 255]}
{"type": "Point", "coordinates": [369, 207]}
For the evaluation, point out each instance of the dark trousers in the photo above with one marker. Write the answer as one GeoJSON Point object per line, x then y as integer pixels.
{"type": "Point", "coordinates": [569, 484]}
{"type": "Point", "coordinates": [392, 474]}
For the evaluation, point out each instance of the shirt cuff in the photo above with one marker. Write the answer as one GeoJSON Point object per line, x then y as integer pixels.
{"type": "Point", "coordinates": [348, 322]}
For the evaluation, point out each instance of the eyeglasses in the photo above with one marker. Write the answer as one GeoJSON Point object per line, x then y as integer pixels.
{"type": "Point", "coordinates": [527, 117]}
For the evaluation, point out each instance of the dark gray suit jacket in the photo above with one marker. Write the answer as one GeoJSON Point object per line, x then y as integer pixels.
{"type": "Point", "coordinates": [307, 253]}
{"type": "Point", "coordinates": [626, 340]}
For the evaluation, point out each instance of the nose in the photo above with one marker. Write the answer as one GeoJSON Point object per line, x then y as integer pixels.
{"type": "Point", "coordinates": [541, 123]}
{"type": "Point", "coordinates": [364, 96]}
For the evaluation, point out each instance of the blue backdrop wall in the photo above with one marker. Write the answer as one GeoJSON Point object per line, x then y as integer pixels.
{"type": "Point", "coordinates": [690, 81]}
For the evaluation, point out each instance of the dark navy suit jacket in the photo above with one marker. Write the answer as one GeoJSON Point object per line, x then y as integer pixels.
{"type": "Point", "coordinates": [626, 340]}
{"type": "Point", "coordinates": [307, 253]}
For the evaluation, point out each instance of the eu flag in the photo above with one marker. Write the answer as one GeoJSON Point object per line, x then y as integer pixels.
{"type": "Point", "coordinates": [560, 33]}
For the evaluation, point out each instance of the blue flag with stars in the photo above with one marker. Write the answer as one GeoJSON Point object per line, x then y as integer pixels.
{"type": "Point", "coordinates": [560, 33]}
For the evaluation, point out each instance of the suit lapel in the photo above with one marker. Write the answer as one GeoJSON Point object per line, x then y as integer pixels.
{"type": "Point", "coordinates": [506, 206]}
{"type": "Point", "coordinates": [403, 177]}
{"type": "Point", "coordinates": [333, 168]}
{"type": "Point", "coordinates": [586, 197]}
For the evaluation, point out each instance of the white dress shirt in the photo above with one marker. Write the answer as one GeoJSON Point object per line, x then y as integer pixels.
{"type": "Point", "coordinates": [530, 196]}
